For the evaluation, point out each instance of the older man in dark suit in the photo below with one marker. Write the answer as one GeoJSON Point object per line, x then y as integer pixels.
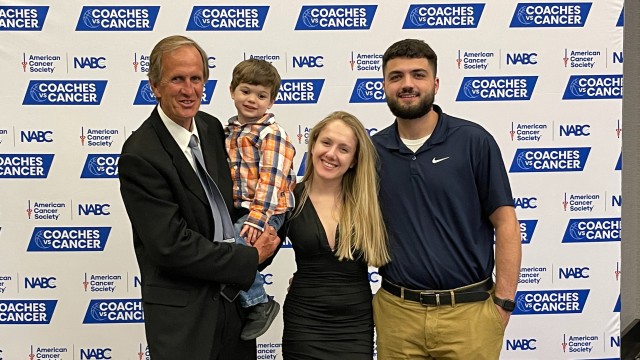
{"type": "Point", "coordinates": [189, 277]}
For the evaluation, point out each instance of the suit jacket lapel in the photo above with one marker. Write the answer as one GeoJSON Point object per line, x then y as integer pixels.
{"type": "Point", "coordinates": [182, 165]}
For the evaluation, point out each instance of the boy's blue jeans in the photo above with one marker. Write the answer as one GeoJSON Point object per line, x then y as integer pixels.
{"type": "Point", "coordinates": [256, 293]}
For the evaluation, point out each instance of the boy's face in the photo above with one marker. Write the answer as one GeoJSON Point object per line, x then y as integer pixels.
{"type": "Point", "coordinates": [251, 101]}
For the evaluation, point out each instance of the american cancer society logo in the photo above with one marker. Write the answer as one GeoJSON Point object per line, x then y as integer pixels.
{"type": "Point", "coordinates": [64, 92]}
{"type": "Point", "coordinates": [22, 18]}
{"type": "Point", "coordinates": [114, 311]}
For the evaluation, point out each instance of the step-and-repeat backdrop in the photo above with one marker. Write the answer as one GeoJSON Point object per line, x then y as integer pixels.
{"type": "Point", "coordinates": [545, 78]}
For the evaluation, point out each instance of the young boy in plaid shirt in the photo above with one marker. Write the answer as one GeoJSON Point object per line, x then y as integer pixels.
{"type": "Point", "coordinates": [261, 155]}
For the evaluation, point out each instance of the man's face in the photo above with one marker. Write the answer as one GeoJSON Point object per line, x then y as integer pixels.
{"type": "Point", "coordinates": [179, 92]}
{"type": "Point", "coordinates": [410, 87]}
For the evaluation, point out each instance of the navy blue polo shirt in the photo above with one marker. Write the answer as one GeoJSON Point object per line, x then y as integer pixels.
{"type": "Point", "coordinates": [436, 204]}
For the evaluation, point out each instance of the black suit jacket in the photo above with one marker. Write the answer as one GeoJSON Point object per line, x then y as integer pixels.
{"type": "Point", "coordinates": [181, 267]}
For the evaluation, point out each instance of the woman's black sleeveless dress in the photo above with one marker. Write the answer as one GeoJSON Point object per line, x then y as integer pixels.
{"type": "Point", "coordinates": [327, 312]}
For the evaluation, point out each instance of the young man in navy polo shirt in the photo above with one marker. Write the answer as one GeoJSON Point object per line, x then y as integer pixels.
{"type": "Point", "coordinates": [444, 192]}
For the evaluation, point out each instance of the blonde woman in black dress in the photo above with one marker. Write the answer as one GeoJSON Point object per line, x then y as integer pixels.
{"type": "Point", "coordinates": [337, 232]}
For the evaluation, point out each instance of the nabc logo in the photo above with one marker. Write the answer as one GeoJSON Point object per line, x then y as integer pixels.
{"type": "Point", "coordinates": [40, 136]}
{"type": "Point", "coordinates": [525, 202]}
{"type": "Point", "coordinates": [616, 200]}
{"type": "Point", "coordinates": [267, 278]}
{"type": "Point", "coordinates": [91, 62]}
{"type": "Point", "coordinates": [94, 209]}
{"type": "Point", "coordinates": [308, 61]}
{"type": "Point", "coordinates": [573, 272]}
{"type": "Point", "coordinates": [95, 353]}
{"type": "Point", "coordinates": [42, 282]}
{"type": "Point", "coordinates": [522, 58]}
{"type": "Point", "coordinates": [617, 57]}
{"type": "Point", "coordinates": [521, 344]}
{"type": "Point", "coordinates": [575, 130]}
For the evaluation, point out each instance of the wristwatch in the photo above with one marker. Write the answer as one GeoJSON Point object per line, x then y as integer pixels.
{"type": "Point", "coordinates": [507, 304]}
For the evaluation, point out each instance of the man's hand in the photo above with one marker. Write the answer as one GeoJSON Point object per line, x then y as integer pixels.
{"type": "Point", "coordinates": [266, 243]}
{"type": "Point", "coordinates": [505, 315]}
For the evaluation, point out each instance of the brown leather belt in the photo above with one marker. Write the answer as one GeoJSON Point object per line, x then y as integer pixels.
{"type": "Point", "coordinates": [472, 293]}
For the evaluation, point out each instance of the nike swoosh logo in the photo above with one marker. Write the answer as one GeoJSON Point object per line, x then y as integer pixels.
{"type": "Point", "coordinates": [435, 161]}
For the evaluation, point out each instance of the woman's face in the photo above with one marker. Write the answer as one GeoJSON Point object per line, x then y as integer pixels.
{"type": "Point", "coordinates": [334, 151]}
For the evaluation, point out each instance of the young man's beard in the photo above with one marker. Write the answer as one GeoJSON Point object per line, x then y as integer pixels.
{"type": "Point", "coordinates": [410, 112]}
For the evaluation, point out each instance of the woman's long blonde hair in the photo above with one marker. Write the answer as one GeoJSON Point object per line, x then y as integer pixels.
{"type": "Point", "coordinates": [361, 226]}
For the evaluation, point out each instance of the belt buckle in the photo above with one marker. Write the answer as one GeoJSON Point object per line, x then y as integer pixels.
{"type": "Point", "coordinates": [428, 293]}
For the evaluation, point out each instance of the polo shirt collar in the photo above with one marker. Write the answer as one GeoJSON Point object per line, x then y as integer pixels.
{"type": "Point", "coordinates": [440, 132]}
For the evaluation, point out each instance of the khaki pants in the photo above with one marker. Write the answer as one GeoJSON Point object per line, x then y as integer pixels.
{"type": "Point", "coordinates": [408, 330]}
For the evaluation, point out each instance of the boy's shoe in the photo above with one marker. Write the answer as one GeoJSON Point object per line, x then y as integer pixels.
{"type": "Point", "coordinates": [259, 319]}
